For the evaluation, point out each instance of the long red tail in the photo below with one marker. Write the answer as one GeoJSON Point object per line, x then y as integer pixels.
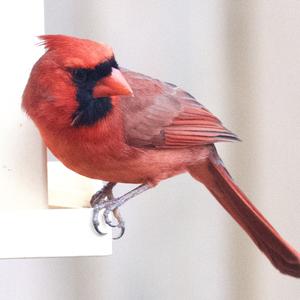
{"type": "Point", "coordinates": [218, 181]}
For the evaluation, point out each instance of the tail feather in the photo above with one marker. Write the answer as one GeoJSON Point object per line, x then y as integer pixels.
{"type": "Point", "coordinates": [218, 181]}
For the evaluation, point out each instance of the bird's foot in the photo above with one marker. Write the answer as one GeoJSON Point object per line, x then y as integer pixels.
{"type": "Point", "coordinates": [104, 199]}
{"type": "Point", "coordinates": [109, 206]}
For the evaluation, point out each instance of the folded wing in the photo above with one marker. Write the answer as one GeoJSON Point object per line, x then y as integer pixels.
{"type": "Point", "coordinates": [162, 115]}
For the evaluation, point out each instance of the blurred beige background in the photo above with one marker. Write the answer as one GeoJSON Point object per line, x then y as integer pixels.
{"type": "Point", "coordinates": [241, 60]}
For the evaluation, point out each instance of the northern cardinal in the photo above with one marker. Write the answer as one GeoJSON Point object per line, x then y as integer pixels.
{"type": "Point", "coordinates": [116, 125]}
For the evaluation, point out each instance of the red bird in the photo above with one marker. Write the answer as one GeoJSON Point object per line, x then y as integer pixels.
{"type": "Point", "coordinates": [116, 125]}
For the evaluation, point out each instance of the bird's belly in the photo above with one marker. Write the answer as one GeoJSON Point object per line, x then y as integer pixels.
{"type": "Point", "coordinates": [149, 166]}
{"type": "Point", "coordinates": [121, 163]}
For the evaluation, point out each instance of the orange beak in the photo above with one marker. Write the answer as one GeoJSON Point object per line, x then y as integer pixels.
{"type": "Point", "coordinates": [113, 85]}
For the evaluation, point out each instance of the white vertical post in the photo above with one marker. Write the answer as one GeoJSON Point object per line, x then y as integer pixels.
{"type": "Point", "coordinates": [32, 232]}
{"type": "Point", "coordinates": [22, 154]}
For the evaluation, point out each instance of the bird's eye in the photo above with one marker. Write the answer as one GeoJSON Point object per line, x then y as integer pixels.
{"type": "Point", "coordinates": [79, 76]}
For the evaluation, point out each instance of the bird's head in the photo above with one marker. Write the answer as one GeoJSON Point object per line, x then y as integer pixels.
{"type": "Point", "coordinates": [74, 82]}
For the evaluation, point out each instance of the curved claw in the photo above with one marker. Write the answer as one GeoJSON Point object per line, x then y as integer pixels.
{"type": "Point", "coordinates": [118, 217]}
{"type": "Point", "coordinates": [107, 220]}
{"type": "Point", "coordinates": [122, 227]}
{"type": "Point", "coordinates": [96, 222]}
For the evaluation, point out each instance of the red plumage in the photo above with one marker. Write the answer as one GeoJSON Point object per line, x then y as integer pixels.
{"type": "Point", "coordinates": [158, 132]}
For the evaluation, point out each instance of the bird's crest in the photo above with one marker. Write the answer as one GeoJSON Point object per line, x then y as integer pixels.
{"type": "Point", "coordinates": [56, 41]}
{"type": "Point", "coordinates": [74, 51]}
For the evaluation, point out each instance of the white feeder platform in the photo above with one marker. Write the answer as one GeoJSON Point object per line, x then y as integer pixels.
{"type": "Point", "coordinates": [51, 233]}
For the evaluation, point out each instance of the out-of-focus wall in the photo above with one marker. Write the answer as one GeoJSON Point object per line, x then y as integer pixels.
{"type": "Point", "coordinates": [278, 131]}
{"type": "Point", "coordinates": [240, 60]}
{"type": "Point", "coordinates": [263, 42]}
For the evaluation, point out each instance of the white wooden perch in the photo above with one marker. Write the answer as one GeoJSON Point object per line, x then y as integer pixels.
{"type": "Point", "coordinates": [51, 233]}
{"type": "Point", "coordinates": [27, 227]}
